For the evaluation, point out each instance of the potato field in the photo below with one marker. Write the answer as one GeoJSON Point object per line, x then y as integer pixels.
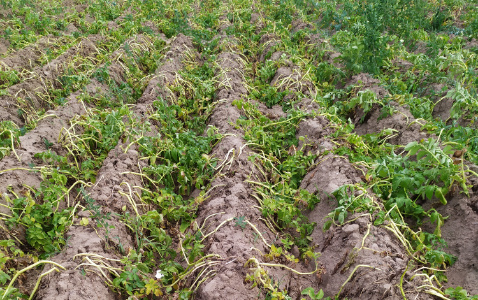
{"type": "Point", "coordinates": [239, 149]}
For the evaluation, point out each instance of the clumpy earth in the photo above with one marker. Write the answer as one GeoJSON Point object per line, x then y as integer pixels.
{"type": "Point", "coordinates": [235, 149]}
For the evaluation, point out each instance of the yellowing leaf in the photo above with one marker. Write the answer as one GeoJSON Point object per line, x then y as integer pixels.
{"type": "Point", "coordinates": [84, 221]}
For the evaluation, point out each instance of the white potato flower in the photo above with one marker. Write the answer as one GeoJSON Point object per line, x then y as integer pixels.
{"type": "Point", "coordinates": [159, 275]}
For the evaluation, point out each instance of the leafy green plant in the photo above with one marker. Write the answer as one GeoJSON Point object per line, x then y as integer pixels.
{"type": "Point", "coordinates": [240, 221]}
{"type": "Point", "coordinates": [8, 78]}
{"type": "Point", "coordinates": [261, 278]}
{"type": "Point", "coordinates": [464, 105]}
{"type": "Point", "coordinates": [352, 58]}
{"type": "Point", "coordinates": [375, 51]}
{"type": "Point", "coordinates": [134, 275]}
{"type": "Point", "coordinates": [96, 214]}
{"type": "Point", "coordinates": [432, 174]}
{"type": "Point", "coordinates": [329, 73]}
{"type": "Point", "coordinates": [364, 100]}
{"type": "Point", "coordinates": [369, 36]}
{"type": "Point", "coordinates": [439, 18]}
{"type": "Point", "coordinates": [459, 293]}
{"type": "Point", "coordinates": [10, 258]}
{"type": "Point", "coordinates": [39, 213]}
{"type": "Point", "coordinates": [267, 71]}
{"type": "Point", "coordinates": [281, 198]}
{"type": "Point", "coordinates": [311, 293]}
{"type": "Point", "coordinates": [48, 144]}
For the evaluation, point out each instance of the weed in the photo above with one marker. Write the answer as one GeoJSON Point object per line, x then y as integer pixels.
{"type": "Point", "coordinates": [96, 213]}
{"type": "Point", "coordinates": [47, 143]}
{"type": "Point", "coordinates": [240, 222]}
{"type": "Point", "coordinates": [311, 293]}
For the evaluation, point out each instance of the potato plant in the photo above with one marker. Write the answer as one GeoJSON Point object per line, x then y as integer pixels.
{"type": "Point", "coordinates": [264, 139]}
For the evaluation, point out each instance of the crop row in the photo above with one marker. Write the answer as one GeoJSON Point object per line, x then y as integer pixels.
{"type": "Point", "coordinates": [240, 152]}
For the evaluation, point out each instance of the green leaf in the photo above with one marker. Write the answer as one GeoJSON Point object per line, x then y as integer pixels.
{"type": "Point", "coordinates": [429, 190]}
{"type": "Point", "coordinates": [184, 226]}
{"type": "Point", "coordinates": [421, 154]}
{"type": "Point", "coordinates": [440, 195]}
{"type": "Point", "coordinates": [382, 171]}
{"type": "Point", "coordinates": [400, 202]}
{"type": "Point", "coordinates": [311, 293]}
{"type": "Point", "coordinates": [380, 218]}
{"type": "Point", "coordinates": [341, 218]}
{"type": "Point", "coordinates": [307, 291]}
{"type": "Point", "coordinates": [143, 267]}
{"type": "Point", "coordinates": [410, 146]}
{"type": "Point", "coordinates": [327, 225]}
{"type": "Point", "coordinates": [414, 150]}
{"type": "Point", "coordinates": [241, 221]}
{"type": "Point", "coordinates": [4, 277]}
{"type": "Point", "coordinates": [448, 149]}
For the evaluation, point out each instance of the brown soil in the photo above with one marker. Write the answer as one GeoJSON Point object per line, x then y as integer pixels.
{"type": "Point", "coordinates": [314, 130]}
{"type": "Point", "coordinates": [231, 197]}
{"type": "Point", "coordinates": [31, 143]}
{"type": "Point", "coordinates": [258, 21]}
{"type": "Point", "coordinates": [167, 72]}
{"type": "Point", "coordinates": [473, 44]}
{"type": "Point", "coordinates": [71, 8]}
{"type": "Point", "coordinates": [81, 280]}
{"type": "Point", "coordinates": [405, 128]}
{"type": "Point", "coordinates": [50, 128]}
{"type": "Point", "coordinates": [462, 210]}
{"type": "Point", "coordinates": [273, 113]}
{"type": "Point", "coordinates": [369, 257]}
{"type": "Point", "coordinates": [364, 82]}
{"type": "Point", "coordinates": [461, 234]}
{"type": "Point", "coordinates": [299, 24]}
{"type": "Point", "coordinates": [358, 259]}
{"type": "Point", "coordinates": [110, 191]}
{"type": "Point", "coordinates": [32, 92]}
{"type": "Point", "coordinates": [267, 41]}
{"type": "Point", "coordinates": [289, 78]}
{"type": "Point", "coordinates": [401, 65]}
{"type": "Point", "coordinates": [29, 57]}
{"type": "Point", "coordinates": [443, 105]}
{"type": "Point", "coordinates": [4, 45]}
{"type": "Point", "coordinates": [420, 48]}
{"type": "Point", "coordinates": [70, 283]}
